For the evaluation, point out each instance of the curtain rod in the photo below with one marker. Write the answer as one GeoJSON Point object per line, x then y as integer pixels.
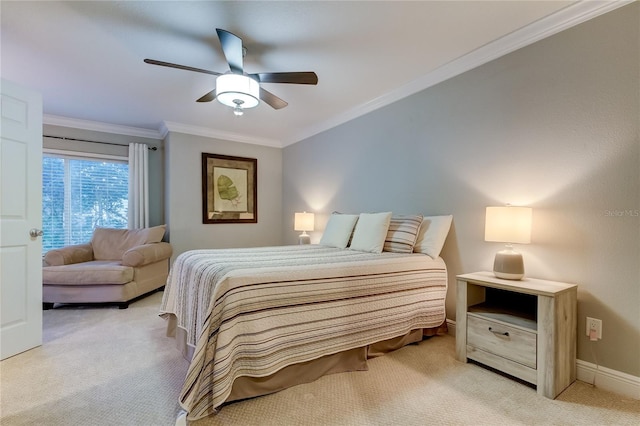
{"type": "Point", "coordinates": [151, 148]}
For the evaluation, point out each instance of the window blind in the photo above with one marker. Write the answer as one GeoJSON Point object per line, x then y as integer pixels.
{"type": "Point", "coordinates": [80, 194]}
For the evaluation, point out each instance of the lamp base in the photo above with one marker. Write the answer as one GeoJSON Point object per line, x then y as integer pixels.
{"type": "Point", "coordinates": [509, 265]}
{"type": "Point", "coordinates": [304, 239]}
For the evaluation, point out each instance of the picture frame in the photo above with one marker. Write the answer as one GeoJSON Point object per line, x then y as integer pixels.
{"type": "Point", "coordinates": [229, 189]}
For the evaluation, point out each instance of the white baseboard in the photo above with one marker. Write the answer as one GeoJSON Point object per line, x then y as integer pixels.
{"type": "Point", "coordinates": [451, 327]}
{"type": "Point", "coordinates": [605, 378]}
{"type": "Point", "coordinates": [608, 379]}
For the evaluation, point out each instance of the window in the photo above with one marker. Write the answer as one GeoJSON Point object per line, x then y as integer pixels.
{"type": "Point", "coordinates": [80, 194]}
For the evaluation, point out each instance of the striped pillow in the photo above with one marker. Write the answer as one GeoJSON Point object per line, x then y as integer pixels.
{"type": "Point", "coordinates": [402, 233]}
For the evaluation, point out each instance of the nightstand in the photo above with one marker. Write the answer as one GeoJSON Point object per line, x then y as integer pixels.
{"type": "Point", "coordinates": [524, 328]}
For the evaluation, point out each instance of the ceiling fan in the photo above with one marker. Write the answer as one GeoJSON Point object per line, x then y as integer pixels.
{"type": "Point", "coordinates": [236, 88]}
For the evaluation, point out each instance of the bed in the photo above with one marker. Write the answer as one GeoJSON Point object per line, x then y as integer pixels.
{"type": "Point", "coordinates": [254, 321]}
{"type": "Point", "coordinates": [258, 320]}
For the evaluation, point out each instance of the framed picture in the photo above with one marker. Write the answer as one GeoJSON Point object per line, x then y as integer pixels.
{"type": "Point", "coordinates": [229, 189]}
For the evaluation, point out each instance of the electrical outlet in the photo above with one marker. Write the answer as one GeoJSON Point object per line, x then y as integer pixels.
{"type": "Point", "coordinates": [594, 328]}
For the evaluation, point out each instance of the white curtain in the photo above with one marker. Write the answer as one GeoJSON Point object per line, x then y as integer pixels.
{"type": "Point", "coordinates": [138, 185]}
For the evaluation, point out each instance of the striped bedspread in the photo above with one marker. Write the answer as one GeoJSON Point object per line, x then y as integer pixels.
{"type": "Point", "coordinates": [251, 312]}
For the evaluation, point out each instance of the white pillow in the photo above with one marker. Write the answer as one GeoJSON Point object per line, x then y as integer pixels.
{"type": "Point", "coordinates": [371, 231]}
{"type": "Point", "coordinates": [338, 230]}
{"type": "Point", "coordinates": [433, 232]}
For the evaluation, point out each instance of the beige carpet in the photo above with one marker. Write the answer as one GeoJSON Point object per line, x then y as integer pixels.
{"type": "Point", "coordinates": [105, 366]}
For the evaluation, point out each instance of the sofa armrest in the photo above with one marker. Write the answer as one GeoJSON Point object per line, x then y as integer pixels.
{"type": "Point", "coordinates": [146, 254]}
{"type": "Point", "coordinates": [70, 254]}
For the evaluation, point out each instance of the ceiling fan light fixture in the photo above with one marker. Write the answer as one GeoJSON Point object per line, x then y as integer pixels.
{"type": "Point", "coordinates": [237, 91]}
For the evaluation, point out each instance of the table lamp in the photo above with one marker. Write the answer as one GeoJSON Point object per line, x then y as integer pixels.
{"type": "Point", "coordinates": [510, 225]}
{"type": "Point", "coordinates": [303, 222]}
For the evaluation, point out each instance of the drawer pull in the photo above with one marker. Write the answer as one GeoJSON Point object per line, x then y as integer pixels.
{"type": "Point", "coordinates": [498, 333]}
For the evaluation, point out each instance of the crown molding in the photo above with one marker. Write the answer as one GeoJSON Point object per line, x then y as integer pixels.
{"type": "Point", "coordinates": [566, 18]}
{"type": "Point", "coordinates": [96, 126]}
{"type": "Point", "coordinates": [545, 27]}
{"type": "Point", "coordinates": [170, 126]}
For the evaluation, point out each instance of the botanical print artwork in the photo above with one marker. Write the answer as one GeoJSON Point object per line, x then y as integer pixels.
{"type": "Point", "coordinates": [230, 189]}
{"type": "Point", "coordinates": [227, 190]}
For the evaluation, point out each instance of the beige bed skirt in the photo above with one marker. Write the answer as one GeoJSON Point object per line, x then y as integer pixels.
{"type": "Point", "coordinates": [305, 372]}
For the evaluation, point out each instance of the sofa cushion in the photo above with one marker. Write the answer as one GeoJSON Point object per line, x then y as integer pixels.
{"type": "Point", "coordinates": [154, 234]}
{"type": "Point", "coordinates": [111, 244]}
{"type": "Point", "coordinates": [88, 273]}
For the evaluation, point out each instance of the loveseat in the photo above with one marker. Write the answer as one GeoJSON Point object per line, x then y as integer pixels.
{"type": "Point", "coordinates": [116, 266]}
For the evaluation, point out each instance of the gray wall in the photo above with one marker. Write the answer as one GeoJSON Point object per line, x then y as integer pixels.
{"type": "Point", "coordinates": [156, 158]}
{"type": "Point", "coordinates": [183, 207]}
{"type": "Point", "coordinates": [553, 126]}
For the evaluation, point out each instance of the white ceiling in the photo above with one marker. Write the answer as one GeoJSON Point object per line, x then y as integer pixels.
{"type": "Point", "coordinates": [86, 57]}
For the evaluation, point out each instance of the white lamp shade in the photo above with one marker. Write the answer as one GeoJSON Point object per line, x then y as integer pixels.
{"type": "Point", "coordinates": [237, 90]}
{"type": "Point", "coordinates": [303, 222]}
{"type": "Point", "coordinates": [508, 224]}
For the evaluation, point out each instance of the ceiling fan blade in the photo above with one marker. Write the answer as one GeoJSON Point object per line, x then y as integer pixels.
{"type": "Point", "coordinates": [208, 97]}
{"type": "Point", "coordinates": [271, 99]}
{"type": "Point", "coordinates": [232, 49]}
{"type": "Point", "coordinates": [180, 67]}
{"type": "Point", "coordinates": [306, 77]}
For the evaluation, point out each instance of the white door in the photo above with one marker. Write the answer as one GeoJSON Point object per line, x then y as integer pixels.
{"type": "Point", "coordinates": [20, 212]}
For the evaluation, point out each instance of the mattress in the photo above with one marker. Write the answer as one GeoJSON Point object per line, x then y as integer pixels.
{"type": "Point", "coordinates": [253, 312]}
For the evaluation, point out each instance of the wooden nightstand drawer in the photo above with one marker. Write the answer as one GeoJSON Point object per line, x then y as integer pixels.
{"type": "Point", "coordinates": [503, 340]}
